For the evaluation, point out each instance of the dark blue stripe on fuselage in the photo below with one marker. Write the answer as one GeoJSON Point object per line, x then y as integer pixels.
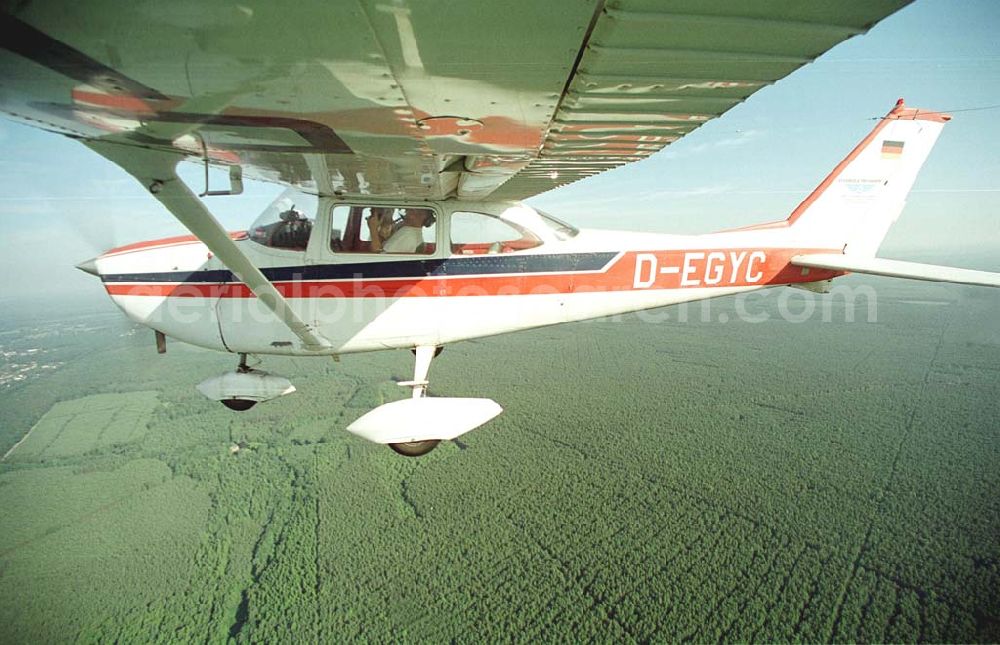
{"type": "Point", "coordinates": [473, 265]}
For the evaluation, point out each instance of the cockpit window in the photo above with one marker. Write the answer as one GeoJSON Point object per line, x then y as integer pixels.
{"type": "Point", "coordinates": [383, 229]}
{"type": "Point", "coordinates": [286, 223]}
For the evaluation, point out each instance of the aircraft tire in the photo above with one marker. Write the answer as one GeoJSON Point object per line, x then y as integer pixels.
{"type": "Point", "coordinates": [415, 448]}
{"type": "Point", "coordinates": [240, 405]}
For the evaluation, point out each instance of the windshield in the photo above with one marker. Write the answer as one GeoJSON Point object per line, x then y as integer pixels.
{"type": "Point", "coordinates": [286, 223]}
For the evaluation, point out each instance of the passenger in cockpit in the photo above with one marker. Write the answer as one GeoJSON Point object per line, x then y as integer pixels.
{"type": "Point", "coordinates": [407, 238]}
{"type": "Point", "coordinates": [380, 226]}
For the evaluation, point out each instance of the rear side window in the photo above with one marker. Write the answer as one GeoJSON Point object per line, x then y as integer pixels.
{"type": "Point", "coordinates": [481, 234]}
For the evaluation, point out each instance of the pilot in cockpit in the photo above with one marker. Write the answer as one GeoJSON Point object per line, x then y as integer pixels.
{"type": "Point", "coordinates": [292, 231]}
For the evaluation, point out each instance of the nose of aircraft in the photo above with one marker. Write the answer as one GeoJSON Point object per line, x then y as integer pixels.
{"type": "Point", "coordinates": [89, 266]}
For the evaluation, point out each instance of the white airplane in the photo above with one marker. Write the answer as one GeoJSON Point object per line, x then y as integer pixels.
{"type": "Point", "coordinates": [416, 128]}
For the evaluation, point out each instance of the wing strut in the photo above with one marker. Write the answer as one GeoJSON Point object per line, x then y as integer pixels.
{"type": "Point", "coordinates": [157, 171]}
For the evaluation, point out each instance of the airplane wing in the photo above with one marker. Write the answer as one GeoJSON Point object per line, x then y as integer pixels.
{"type": "Point", "coordinates": [400, 98]}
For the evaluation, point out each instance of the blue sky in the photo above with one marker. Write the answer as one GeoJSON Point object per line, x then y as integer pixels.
{"type": "Point", "coordinates": [61, 203]}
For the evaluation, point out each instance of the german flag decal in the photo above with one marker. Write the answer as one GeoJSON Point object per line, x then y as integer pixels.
{"type": "Point", "coordinates": [892, 149]}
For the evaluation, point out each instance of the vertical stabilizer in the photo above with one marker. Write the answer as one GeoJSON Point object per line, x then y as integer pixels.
{"type": "Point", "coordinates": [857, 203]}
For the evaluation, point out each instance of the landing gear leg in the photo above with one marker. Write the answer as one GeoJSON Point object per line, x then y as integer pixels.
{"type": "Point", "coordinates": [424, 355]}
{"type": "Point", "coordinates": [240, 405]}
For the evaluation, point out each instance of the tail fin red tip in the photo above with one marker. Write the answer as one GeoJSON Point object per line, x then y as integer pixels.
{"type": "Point", "coordinates": [900, 111]}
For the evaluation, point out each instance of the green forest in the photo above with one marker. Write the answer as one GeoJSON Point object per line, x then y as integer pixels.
{"type": "Point", "coordinates": [678, 480]}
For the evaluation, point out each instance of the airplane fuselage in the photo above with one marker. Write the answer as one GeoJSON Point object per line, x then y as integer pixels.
{"type": "Point", "coordinates": [367, 301]}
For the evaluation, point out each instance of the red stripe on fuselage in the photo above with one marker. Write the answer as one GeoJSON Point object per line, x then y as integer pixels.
{"type": "Point", "coordinates": [167, 241]}
{"type": "Point", "coordinates": [633, 271]}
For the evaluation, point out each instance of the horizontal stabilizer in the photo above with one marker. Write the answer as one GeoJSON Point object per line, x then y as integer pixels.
{"type": "Point", "coordinates": [897, 269]}
{"type": "Point", "coordinates": [424, 418]}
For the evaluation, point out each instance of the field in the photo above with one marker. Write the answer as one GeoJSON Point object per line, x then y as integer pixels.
{"type": "Point", "coordinates": [68, 429]}
{"type": "Point", "coordinates": [680, 479]}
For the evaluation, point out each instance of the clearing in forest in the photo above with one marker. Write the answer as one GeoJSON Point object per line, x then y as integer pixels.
{"type": "Point", "coordinates": [82, 425]}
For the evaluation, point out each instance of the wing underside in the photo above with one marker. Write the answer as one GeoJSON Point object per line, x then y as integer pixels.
{"type": "Point", "coordinates": [425, 99]}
